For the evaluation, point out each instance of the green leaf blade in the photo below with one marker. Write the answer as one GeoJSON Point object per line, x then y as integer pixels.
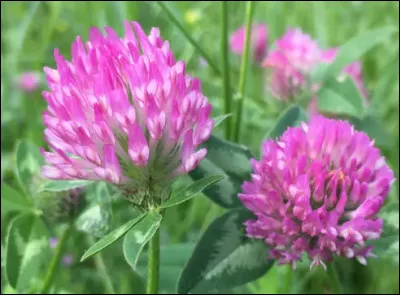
{"type": "Point", "coordinates": [11, 200]}
{"type": "Point", "coordinates": [63, 185]}
{"type": "Point", "coordinates": [229, 160]}
{"type": "Point", "coordinates": [224, 257]}
{"type": "Point", "coordinates": [111, 237]}
{"type": "Point", "coordinates": [29, 162]}
{"type": "Point", "coordinates": [218, 120]}
{"type": "Point", "coordinates": [139, 235]}
{"type": "Point", "coordinates": [342, 98]}
{"type": "Point", "coordinates": [375, 130]}
{"type": "Point", "coordinates": [223, 193]}
{"type": "Point", "coordinates": [292, 116]}
{"type": "Point", "coordinates": [191, 190]}
{"type": "Point", "coordinates": [97, 217]}
{"type": "Point", "coordinates": [356, 47]}
{"type": "Point", "coordinates": [95, 220]}
{"type": "Point", "coordinates": [27, 250]}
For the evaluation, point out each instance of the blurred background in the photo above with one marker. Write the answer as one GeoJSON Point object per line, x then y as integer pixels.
{"type": "Point", "coordinates": [30, 30]}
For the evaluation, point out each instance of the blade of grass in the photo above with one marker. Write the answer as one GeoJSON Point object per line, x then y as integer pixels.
{"type": "Point", "coordinates": [243, 70]}
{"type": "Point", "coordinates": [226, 93]}
{"type": "Point", "coordinates": [192, 41]}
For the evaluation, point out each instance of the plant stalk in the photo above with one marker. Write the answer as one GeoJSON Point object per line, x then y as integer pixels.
{"type": "Point", "coordinates": [243, 70]}
{"type": "Point", "coordinates": [153, 267]}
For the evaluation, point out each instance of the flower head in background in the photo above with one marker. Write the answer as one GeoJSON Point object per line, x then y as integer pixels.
{"type": "Point", "coordinates": [28, 81]}
{"type": "Point", "coordinates": [123, 110]}
{"type": "Point", "coordinates": [258, 41]}
{"type": "Point", "coordinates": [317, 190]}
{"type": "Point", "coordinates": [295, 56]}
{"type": "Point", "coordinates": [61, 206]}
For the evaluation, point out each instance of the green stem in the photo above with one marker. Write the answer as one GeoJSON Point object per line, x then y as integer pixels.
{"type": "Point", "coordinates": [55, 261]}
{"type": "Point", "coordinates": [225, 68]}
{"type": "Point", "coordinates": [102, 269]}
{"type": "Point", "coordinates": [192, 41]}
{"type": "Point", "coordinates": [335, 279]}
{"type": "Point", "coordinates": [289, 279]}
{"type": "Point", "coordinates": [243, 70]}
{"type": "Point", "coordinates": [153, 264]}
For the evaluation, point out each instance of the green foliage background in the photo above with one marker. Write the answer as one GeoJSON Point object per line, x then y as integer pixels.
{"type": "Point", "coordinates": [31, 30]}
